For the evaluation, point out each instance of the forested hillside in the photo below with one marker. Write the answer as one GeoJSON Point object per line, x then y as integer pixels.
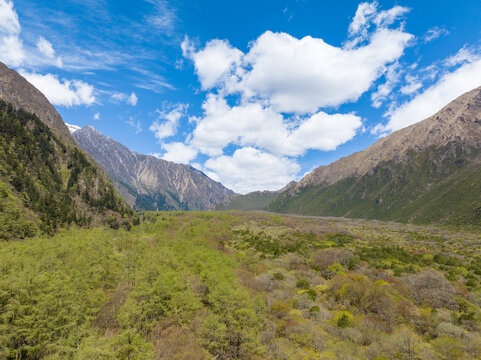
{"type": "Point", "coordinates": [196, 286]}
{"type": "Point", "coordinates": [47, 183]}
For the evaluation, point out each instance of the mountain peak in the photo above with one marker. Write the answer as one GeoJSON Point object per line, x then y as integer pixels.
{"type": "Point", "coordinates": [149, 183]}
{"type": "Point", "coordinates": [460, 120]}
{"type": "Point", "coordinates": [426, 172]}
{"type": "Point", "coordinates": [72, 128]}
{"type": "Point", "coordinates": [17, 91]}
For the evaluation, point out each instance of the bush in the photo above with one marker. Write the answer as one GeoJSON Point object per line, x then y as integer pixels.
{"type": "Point", "coordinates": [432, 288]}
{"type": "Point", "coordinates": [302, 284]}
{"type": "Point", "coordinates": [278, 276]}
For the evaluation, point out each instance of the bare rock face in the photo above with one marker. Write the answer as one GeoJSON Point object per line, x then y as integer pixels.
{"type": "Point", "coordinates": [17, 91]}
{"type": "Point", "coordinates": [148, 183]}
{"type": "Point", "coordinates": [459, 121]}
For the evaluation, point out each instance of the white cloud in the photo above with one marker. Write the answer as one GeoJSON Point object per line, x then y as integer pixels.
{"type": "Point", "coordinates": [251, 124]}
{"type": "Point", "coordinates": [136, 124]}
{"type": "Point", "coordinates": [96, 116]}
{"type": "Point", "coordinates": [168, 121]}
{"type": "Point", "coordinates": [213, 63]}
{"type": "Point", "coordinates": [392, 75]}
{"type": "Point", "coordinates": [8, 17]}
{"type": "Point", "coordinates": [179, 152]}
{"type": "Point", "coordinates": [266, 103]}
{"type": "Point", "coordinates": [162, 16]}
{"type": "Point", "coordinates": [11, 46]}
{"type": "Point", "coordinates": [434, 33]}
{"type": "Point", "coordinates": [250, 169]}
{"type": "Point", "coordinates": [132, 99]}
{"type": "Point", "coordinates": [462, 56]}
{"type": "Point", "coordinates": [45, 47]}
{"type": "Point", "coordinates": [12, 50]}
{"type": "Point", "coordinates": [62, 92]}
{"type": "Point", "coordinates": [302, 75]}
{"type": "Point", "coordinates": [450, 86]}
{"type": "Point", "coordinates": [121, 97]}
{"type": "Point", "coordinates": [412, 85]}
{"type": "Point", "coordinates": [364, 13]}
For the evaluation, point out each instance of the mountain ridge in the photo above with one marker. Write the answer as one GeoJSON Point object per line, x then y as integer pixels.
{"type": "Point", "coordinates": [396, 145]}
{"type": "Point", "coordinates": [409, 175]}
{"type": "Point", "coordinates": [149, 183]}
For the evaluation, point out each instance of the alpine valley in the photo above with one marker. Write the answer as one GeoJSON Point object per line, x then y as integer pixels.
{"type": "Point", "coordinates": [110, 254]}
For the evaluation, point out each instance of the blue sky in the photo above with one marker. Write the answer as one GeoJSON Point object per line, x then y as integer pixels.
{"type": "Point", "coordinates": [253, 93]}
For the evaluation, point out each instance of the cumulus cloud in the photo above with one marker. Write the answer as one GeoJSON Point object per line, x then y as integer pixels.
{"type": "Point", "coordinates": [302, 75]}
{"type": "Point", "coordinates": [168, 121]}
{"type": "Point", "coordinates": [213, 62]}
{"type": "Point", "coordinates": [62, 92]}
{"type": "Point", "coordinates": [12, 50]}
{"type": "Point", "coordinates": [252, 124]}
{"type": "Point", "coordinates": [11, 46]}
{"type": "Point", "coordinates": [179, 152]}
{"type": "Point", "coordinates": [270, 102]}
{"type": "Point", "coordinates": [96, 116]}
{"type": "Point", "coordinates": [250, 169]}
{"type": "Point", "coordinates": [450, 86]}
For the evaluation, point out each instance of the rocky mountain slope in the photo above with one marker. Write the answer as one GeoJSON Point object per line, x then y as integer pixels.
{"type": "Point", "coordinates": [426, 172]}
{"type": "Point", "coordinates": [148, 183]}
{"type": "Point", "coordinates": [46, 181]}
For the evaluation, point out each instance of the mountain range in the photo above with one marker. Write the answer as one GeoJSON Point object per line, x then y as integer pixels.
{"type": "Point", "coordinates": [427, 172]}
{"type": "Point", "coordinates": [149, 183]}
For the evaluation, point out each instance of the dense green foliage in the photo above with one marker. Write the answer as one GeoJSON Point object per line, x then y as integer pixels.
{"type": "Point", "coordinates": [437, 185]}
{"type": "Point", "coordinates": [45, 183]}
{"type": "Point", "coordinates": [257, 200]}
{"type": "Point", "coordinates": [242, 286]}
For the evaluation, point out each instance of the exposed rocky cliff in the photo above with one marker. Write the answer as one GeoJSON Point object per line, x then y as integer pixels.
{"type": "Point", "coordinates": [149, 183]}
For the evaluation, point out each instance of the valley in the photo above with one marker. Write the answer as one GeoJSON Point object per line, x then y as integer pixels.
{"type": "Point", "coordinates": [230, 180]}
{"type": "Point", "coordinates": [243, 285]}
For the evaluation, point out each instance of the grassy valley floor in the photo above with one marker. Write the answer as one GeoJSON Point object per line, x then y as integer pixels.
{"type": "Point", "coordinates": [232, 285]}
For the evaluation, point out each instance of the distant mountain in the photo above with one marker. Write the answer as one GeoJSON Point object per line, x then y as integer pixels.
{"type": "Point", "coordinates": [149, 183]}
{"type": "Point", "coordinates": [46, 181]}
{"type": "Point", "coordinates": [257, 200]}
{"type": "Point", "coordinates": [427, 172]}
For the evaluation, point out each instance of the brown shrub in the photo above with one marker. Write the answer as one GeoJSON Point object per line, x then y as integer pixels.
{"type": "Point", "coordinates": [177, 343]}
{"type": "Point", "coordinates": [432, 288]}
